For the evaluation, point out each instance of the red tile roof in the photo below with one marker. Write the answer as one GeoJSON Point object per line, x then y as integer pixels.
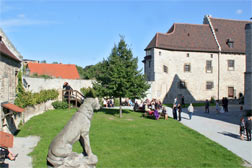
{"type": "Point", "coordinates": [65, 71]}
{"type": "Point", "coordinates": [4, 50]}
{"type": "Point", "coordinates": [13, 107]}
{"type": "Point", "coordinates": [230, 29]}
{"type": "Point", "coordinates": [185, 37]}
{"type": "Point", "coordinates": [193, 37]}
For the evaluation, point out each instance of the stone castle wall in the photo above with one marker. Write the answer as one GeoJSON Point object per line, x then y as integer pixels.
{"type": "Point", "coordinates": [165, 86]}
{"type": "Point", "coordinates": [248, 74]}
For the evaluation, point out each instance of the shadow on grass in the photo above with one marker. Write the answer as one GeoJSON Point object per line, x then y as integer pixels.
{"type": "Point", "coordinates": [230, 134]}
{"type": "Point", "coordinates": [113, 111]}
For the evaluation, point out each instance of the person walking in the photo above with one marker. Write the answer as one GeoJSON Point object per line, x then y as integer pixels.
{"type": "Point", "coordinates": [248, 128]}
{"type": "Point", "coordinates": [190, 110]}
{"type": "Point", "coordinates": [207, 106]}
{"type": "Point", "coordinates": [179, 111]}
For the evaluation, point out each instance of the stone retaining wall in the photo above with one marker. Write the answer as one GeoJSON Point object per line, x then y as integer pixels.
{"type": "Point", "coordinates": [12, 122]}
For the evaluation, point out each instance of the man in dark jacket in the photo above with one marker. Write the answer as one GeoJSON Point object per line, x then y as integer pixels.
{"type": "Point", "coordinates": [248, 128]}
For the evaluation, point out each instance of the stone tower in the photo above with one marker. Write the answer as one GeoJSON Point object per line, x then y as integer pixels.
{"type": "Point", "coordinates": [248, 73]}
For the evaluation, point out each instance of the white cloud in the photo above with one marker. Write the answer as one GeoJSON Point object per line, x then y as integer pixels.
{"type": "Point", "coordinates": [239, 11]}
{"type": "Point", "coordinates": [21, 20]}
{"type": "Point", "coordinates": [20, 15]}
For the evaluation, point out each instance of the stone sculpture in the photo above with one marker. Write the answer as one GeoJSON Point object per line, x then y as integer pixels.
{"type": "Point", "coordinates": [60, 152]}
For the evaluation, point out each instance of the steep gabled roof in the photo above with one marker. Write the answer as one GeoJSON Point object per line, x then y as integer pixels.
{"type": "Point", "coordinates": [185, 37]}
{"type": "Point", "coordinates": [65, 71]}
{"type": "Point", "coordinates": [4, 50]}
{"type": "Point", "coordinates": [193, 37]}
{"type": "Point", "coordinates": [233, 30]}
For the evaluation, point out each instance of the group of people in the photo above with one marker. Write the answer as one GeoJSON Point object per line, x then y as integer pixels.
{"type": "Point", "coordinates": [108, 103]}
{"type": "Point", "coordinates": [245, 125]}
{"type": "Point", "coordinates": [151, 107]}
{"type": "Point", "coordinates": [177, 109]}
{"type": "Point", "coordinates": [219, 109]}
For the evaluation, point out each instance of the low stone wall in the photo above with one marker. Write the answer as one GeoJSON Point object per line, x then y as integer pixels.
{"type": "Point", "coordinates": [36, 110]}
{"type": "Point", "coordinates": [38, 84]}
{"type": "Point", "coordinates": [12, 122]}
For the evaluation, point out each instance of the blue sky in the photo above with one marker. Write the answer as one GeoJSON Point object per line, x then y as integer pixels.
{"type": "Point", "coordinates": [83, 32]}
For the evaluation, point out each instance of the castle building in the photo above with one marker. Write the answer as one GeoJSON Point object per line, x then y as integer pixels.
{"type": "Point", "coordinates": [248, 73]}
{"type": "Point", "coordinates": [197, 61]}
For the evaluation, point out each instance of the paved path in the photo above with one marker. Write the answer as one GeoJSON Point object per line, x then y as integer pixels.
{"type": "Point", "coordinates": [222, 128]}
{"type": "Point", "coordinates": [23, 146]}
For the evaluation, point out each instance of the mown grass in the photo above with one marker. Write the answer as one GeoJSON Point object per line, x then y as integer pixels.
{"type": "Point", "coordinates": [133, 141]}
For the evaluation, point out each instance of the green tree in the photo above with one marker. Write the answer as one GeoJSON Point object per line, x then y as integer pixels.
{"type": "Point", "coordinates": [89, 72]}
{"type": "Point", "coordinates": [120, 76]}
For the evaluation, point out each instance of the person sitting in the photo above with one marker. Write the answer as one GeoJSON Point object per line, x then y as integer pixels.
{"type": "Point", "coordinates": [5, 153]}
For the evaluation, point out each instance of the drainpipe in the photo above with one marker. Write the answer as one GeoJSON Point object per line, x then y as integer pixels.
{"type": "Point", "coordinates": [219, 53]}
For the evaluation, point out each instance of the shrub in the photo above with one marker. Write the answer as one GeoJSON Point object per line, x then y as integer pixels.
{"type": "Point", "coordinates": [27, 98]}
{"type": "Point", "coordinates": [60, 105]}
{"type": "Point", "coordinates": [212, 100]}
{"type": "Point", "coordinates": [88, 92]}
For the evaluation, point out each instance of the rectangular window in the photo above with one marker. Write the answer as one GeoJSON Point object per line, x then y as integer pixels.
{"type": "Point", "coordinates": [231, 65]}
{"type": "Point", "coordinates": [230, 91]}
{"type": "Point", "coordinates": [209, 85]}
{"type": "Point", "coordinates": [182, 85]}
{"type": "Point", "coordinates": [149, 64]}
{"type": "Point", "coordinates": [165, 68]}
{"type": "Point", "coordinates": [209, 68]}
{"type": "Point", "coordinates": [187, 68]}
{"type": "Point", "coordinates": [148, 52]}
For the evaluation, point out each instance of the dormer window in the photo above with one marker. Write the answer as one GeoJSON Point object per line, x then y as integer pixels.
{"type": "Point", "coordinates": [230, 43]}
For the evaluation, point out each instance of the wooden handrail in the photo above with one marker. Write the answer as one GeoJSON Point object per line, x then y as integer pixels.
{"type": "Point", "coordinates": [74, 95]}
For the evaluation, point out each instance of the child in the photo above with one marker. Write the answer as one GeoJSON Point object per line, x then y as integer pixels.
{"type": "Point", "coordinates": [242, 127]}
{"type": "Point", "coordinates": [164, 112]}
{"type": "Point", "coordinates": [217, 107]}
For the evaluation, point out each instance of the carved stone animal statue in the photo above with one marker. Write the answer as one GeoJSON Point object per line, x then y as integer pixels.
{"type": "Point", "coordinates": [77, 129]}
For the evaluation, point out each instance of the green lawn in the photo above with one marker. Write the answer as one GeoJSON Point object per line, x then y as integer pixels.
{"type": "Point", "coordinates": [133, 141]}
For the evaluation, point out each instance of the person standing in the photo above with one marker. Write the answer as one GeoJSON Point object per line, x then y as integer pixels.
{"type": "Point", "coordinates": [179, 111]}
{"type": "Point", "coordinates": [207, 106]}
{"type": "Point", "coordinates": [183, 101]}
{"type": "Point", "coordinates": [226, 104]}
{"type": "Point", "coordinates": [248, 128]}
{"type": "Point", "coordinates": [217, 106]}
{"type": "Point", "coordinates": [190, 110]}
{"type": "Point", "coordinates": [156, 114]}
{"type": "Point", "coordinates": [174, 112]}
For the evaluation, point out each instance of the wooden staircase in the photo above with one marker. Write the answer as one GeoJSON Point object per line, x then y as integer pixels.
{"type": "Point", "coordinates": [73, 97]}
